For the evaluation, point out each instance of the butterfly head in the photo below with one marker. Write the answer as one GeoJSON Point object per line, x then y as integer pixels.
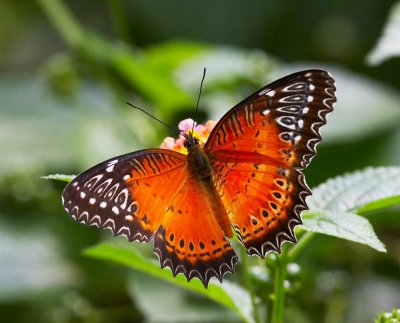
{"type": "Point", "coordinates": [192, 138]}
{"type": "Point", "coordinates": [191, 142]}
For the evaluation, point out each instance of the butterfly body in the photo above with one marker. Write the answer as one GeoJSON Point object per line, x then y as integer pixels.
{"type": "Point", "coordinates": [247, 176]}
{"type": "Point", "coordinates": [201, 171]}
{"type": "Point", "coordinates": [197, 161]}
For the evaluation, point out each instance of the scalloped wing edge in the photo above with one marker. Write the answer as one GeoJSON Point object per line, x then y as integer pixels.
{"type": "Point", "coordinates": [288, 235]}
{"type": "Point", "coordinates": [204, 273]}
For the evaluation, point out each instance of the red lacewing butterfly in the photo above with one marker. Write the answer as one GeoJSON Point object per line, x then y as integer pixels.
{"type": "Point", "coordinates": [247, 175]}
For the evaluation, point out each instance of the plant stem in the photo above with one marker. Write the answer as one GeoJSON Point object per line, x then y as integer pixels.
{"type": "Point", "coordinates": [300, 245]}
{"type": "Point", "coordinates": [64, 21]}
{"type": "Point", "coordinates": [119, 20]}
{"type": "Point", "coordinates": [249, 284]}
{"type": "Point", "coordinates": [279, 288]}
{"type": "Point", "coordinates": [280, 276]}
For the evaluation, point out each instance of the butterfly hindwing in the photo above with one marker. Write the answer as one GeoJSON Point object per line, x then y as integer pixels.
{"type": "Point", "coordinates": [263, 203]}
{"type": "Point", "coordinates": [190, 241]}
{"type": "Point", "coordinates": [258, 150]}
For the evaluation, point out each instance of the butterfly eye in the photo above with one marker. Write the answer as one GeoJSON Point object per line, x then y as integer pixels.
{"type": "Point", "coordinates": [186, 144]}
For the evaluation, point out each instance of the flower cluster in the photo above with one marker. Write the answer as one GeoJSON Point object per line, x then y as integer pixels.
{"type": "Point", "coordinates": [200, 132]}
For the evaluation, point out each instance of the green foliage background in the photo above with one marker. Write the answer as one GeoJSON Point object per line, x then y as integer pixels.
{"type": "Point", "coordinates": [66, 70]}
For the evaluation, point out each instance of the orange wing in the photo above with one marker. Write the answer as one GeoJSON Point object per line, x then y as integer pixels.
{"type": "Point", "coordinates": [148, 194]}
{"type": "Point", "coordinates": [258, 150]}
{"type": "Point", "coordinates": [190, 240]}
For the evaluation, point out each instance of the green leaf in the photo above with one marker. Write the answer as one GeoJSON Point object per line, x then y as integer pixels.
{"type": "Point", "coordinates": [351, 192]}
{"type": "Point", "coordinates": [343, 225]}
{"type": "Point", "coordinates": [380, 204]}
{"type": "Point", "coordinates": [173, 303]}
{"type": "Point", "coordinates": [60, 177]}
{"type": "Point", "coordinates": [389, 42]}
{"type": "Point", "coordinates": [153, 71]}
{"type": "Point", "coordinates": [334, 204]}
{"type": "Point", "coordinates": [227, 294]}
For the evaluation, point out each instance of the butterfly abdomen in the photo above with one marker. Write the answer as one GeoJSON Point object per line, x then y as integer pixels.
{"type": "Point", "coordinates": [201, 170]}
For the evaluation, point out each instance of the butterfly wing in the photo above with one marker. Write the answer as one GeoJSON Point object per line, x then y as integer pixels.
{"type": "Point", "coordinates": [122, 192]}
{"type": "Point", "coordinates": [258, 150]}
{"type": "Point", "coordinates": [149, 194]}
{"type": "Point", "coordinates": [190, 240]}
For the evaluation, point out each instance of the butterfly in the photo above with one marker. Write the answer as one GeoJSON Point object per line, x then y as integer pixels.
{"type": "Point", "coordinates": [247, 176]}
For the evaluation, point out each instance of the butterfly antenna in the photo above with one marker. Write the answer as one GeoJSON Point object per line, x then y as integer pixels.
{"type": "Point", "coordinates": [140, 109]}
{"type": "Point", "coordinates": [198, 98]}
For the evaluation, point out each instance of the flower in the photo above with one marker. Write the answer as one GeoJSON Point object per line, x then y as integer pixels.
{"type": "Point", "coordinates": [200, 132]}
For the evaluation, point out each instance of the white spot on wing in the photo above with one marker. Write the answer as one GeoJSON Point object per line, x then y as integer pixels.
{"type": "Point", "coordinates": [126, 177]}
{"type": "Point", "coordinates": [115, 210]}
{"type": "Point", "coordinates": [103, 205]}
{"type": "Point", "coordinates": [270, 93]}
{"type": "Point", "coordinates": [92, 200]}
{"type": "Point", "coordinates": [112, 162]}
{"type": "Point", "coordinates": [129, 218]}
{"type": "Point", "coordinates": [266, 112]}
{"type": "Point", "coordinates": [109, 169]}
{"type": "Point", "coordinates": [83, 195]}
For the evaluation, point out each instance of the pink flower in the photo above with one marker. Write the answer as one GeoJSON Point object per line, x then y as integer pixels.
{"type": "Point", "coordinates": [201, 132]}
{"type": "Point", "coordinates": [168, 143]}
{"type": "Point", "coordinates": [186, 125]}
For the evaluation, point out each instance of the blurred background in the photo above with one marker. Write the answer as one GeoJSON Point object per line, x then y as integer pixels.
{"type": "Point", "coordinates": [66, 70]}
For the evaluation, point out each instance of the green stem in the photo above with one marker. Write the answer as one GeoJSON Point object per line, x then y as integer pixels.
{"type": "Point", "coordinates": [249, 284]}
{"type": "Point", "coordinates": [64, 21]}
{"type": "Point", "coordinates": [280, 276]}
{"type": "Point", "coordinates": [119, 20]}
{"type": "Point", "coordinates": [279, 288]}
{"type": "Point", "coordinates": [300, 245]}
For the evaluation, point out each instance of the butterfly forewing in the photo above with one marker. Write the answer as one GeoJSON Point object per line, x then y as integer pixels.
{"type": "Point", "coordinates": [280, 121]}
{"type": "Point", "coordinates": [103, 195]}
{"type": "Point", "coordinates": [258, 150]}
